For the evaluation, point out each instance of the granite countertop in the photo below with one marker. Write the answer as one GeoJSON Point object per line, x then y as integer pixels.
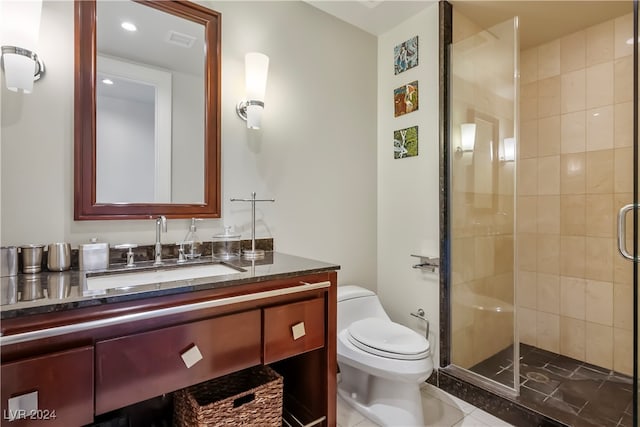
{"type": "Point", "coordinates": [46, 292]}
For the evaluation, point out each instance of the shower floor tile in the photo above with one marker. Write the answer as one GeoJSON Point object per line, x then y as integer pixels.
{"type": "Point", "coordinates": [573, 392]}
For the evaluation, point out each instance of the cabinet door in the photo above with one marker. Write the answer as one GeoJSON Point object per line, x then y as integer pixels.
{"type": "Point", "coordinates": [292, 329]}
{"type": "Point", "coordinates": [51, 390]}
{"type": "Point", "coordinates": [138, 367]}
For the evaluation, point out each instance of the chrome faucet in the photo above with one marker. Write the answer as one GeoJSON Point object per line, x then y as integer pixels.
{"type": "Point", "coordinates": [161, 225]}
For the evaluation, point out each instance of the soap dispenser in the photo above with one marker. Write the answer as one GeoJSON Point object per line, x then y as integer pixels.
{"type": "Point", "coordinates": [192, 245]}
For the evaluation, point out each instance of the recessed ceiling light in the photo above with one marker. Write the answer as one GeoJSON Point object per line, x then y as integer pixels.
{"type": "Point", "coordinates": [107, 81]}
{"type": "Point", "coordinates": [129, 26]}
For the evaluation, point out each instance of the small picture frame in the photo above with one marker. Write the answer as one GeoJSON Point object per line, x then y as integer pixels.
{"type": "Point", "coordinates": [405, 55]}
{"type": "Point", "coordinates": [405, 99]}
{"type": "Point", "coordinates": [405, 143]}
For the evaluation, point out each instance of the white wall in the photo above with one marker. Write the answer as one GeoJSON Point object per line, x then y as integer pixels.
{"type": "Point", "coordinates": [408, 188]}
{"type": "Point", "coordinates": [316, 154]}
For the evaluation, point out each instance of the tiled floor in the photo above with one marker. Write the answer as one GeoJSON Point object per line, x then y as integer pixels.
{"type": "Point", "coordinates": [440, 409]}
{"type": "Point", "coordinates": [565, 389]}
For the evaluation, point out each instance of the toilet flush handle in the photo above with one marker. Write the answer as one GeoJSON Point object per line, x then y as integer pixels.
{"type": "Point", "coordinates": [420, 315]}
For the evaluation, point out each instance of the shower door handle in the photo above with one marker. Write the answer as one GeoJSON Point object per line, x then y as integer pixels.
{"type": "Point", "coordinates": [622, 231]}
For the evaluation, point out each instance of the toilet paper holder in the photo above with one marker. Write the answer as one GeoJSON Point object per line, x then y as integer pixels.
{"type": "Point", "coordinates": [420, 315]}
{"type": "Point", "coordinates": [427, 263]}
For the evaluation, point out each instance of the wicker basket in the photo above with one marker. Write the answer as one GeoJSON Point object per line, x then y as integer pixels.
{"type": "Point", "coordinates": [252, 397]}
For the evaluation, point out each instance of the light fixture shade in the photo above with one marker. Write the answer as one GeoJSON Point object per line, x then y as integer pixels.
{"type": "Point", "coordinates": [509, 149]}
{"type": "Point", "coordinates": [20, 27]}
{"type": "Point", "coordinates": [256, 69]}
{"type": "Point", "coordinates": [18, 72]}
{"type": "Point", "coordinates": [467, 136]}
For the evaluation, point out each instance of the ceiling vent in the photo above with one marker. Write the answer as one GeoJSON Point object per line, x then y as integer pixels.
{"type": "Point", "coordinates": [179, 39]}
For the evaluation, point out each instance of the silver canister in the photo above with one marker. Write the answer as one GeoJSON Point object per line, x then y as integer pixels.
{"type": "Point", "coordinates": [31, 258]}
{"type": "Point", "coordinates": [8, 261]}
{"type": "Point", "coordinates": [59, 285]}
{"type": "Point", "coordinates": [59, 257]}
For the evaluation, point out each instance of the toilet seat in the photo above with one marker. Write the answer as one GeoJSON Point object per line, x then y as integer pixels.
{"type": "Point", "coordinates": [388, 339]}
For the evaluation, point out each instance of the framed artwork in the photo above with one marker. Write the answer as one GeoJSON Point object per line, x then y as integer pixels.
{"type": "Point", "coordinates": [405, 55]}
{"type": "Point", "coordinates": [405, 99]}
{"type": "Point", "coordinates": [405, 142]}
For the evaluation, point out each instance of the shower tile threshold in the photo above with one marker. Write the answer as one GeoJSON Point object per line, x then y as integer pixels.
{"type": "Point", "coordinates": [568, 390]}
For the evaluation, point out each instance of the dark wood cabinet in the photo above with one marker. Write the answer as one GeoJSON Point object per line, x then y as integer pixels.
{"type": "Point", "coordinates": [61, 384]}
{"type": "Point", "coordinates": [111, 364]}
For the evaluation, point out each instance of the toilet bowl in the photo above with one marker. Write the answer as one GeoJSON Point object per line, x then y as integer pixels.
{"type": "Point", "coordinates": [382, 363]}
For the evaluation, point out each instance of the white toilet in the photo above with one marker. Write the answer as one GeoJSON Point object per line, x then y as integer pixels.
{"type": "Point", "coordinates": [382, 363]}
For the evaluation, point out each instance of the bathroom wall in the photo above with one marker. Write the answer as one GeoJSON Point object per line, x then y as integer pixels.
{"type": "Point", "coordinates": [408, 188]}
{"type": "Point", "coordinates": [575, 292]}
{"type": "Point", "coordinates": [316, 154]}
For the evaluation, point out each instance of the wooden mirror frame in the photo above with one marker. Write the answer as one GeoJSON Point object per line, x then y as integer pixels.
{"type": "Point", "coordinates": [85, 206]}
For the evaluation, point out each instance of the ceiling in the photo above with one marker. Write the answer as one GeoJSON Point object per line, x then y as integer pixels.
{"type": "Point", "coordinates": [540, 21]}
{"type": "Point", "coordinates": [373, 16]}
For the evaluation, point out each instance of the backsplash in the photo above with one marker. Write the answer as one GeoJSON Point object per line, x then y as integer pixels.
{"type": "Point", "coordinates": [146, 252]}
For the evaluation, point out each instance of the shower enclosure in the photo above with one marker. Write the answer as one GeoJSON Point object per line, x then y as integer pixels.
{"type": "Point", "coordinates": [539, 158]}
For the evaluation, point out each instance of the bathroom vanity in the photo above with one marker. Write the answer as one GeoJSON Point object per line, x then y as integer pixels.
{"type": "Point", "coordinates": [81, 354]}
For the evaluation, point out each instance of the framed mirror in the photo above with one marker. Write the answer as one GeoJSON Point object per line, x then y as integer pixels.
{"type": "Point", "coordinates": [147, 110]}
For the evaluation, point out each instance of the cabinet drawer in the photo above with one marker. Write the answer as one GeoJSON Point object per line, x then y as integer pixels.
{"type": "Point", "coordinates": [292, 329]}
{"type": "Point", "coordinates": [59, 386]}
{"type": "Point", "coordinates": [137, 367]}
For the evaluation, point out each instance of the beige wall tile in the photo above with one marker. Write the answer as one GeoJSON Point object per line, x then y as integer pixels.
{"type": "Point", "coordinates": [599, 302]}
{"type": "Point", "coordinates": [600, 43]}
{"type": "Point", "coordinates": [549, 59]}
{"type": "Point", "coordinates": [623, 351]}
{"type": "Point", "coordinates": [549, 96]}
{"type": "Point", "coordinates": [527, 252]}
{"type": "Point", "coordinates": [600, 85]}
{"type": "Point", "coordinates": [623, 27]}
{"type": "Point", "coordinates": [528, 147]}
{"type": "Point", "coordinates": [572, 214]}
{"type": "Point", "coordinates": [548, 253]}
{"type": "Point", "coordinates": [548, 296]}
{"type": "Point", "coordinates": [572, 297]}
{"type": "Point", "coordinates": [572, 256]}
{"type": "Point", "coordinates": [573, 51]}
{"type": "Point", "coordinates": [529, 66]}
{"type": "Point", "coordinates": [527, 289]}
{"type": "Point", "coordinates": [548, 330]}
{"type": "Point", "coordinates": [573, 132]}
{"type": "Point", "coordinates": [623, 79]}
{"type": "Point", "coordinates": [623, 306]}
{"type": "Point", "coordinates": [599, 172]}
{"type": "Point", "coordinates": [623, 170]}
{"type": "Point", "coordinates": [549, 136]}
{"type": "Point", "coordinates": [599, 345]}
{"type": "Point", "coordinates": [485, 256]}
{"type": "Point", "coordinates": [600, 215]}
{"type": "Point", "coordinates": [623, 125]}
{"type": "Point", "coordinates": [527, 221]}
{"type": "Point", "coordinates": [527, 326]}
{"type": "Point", "coordinates": [529, 101]}
{"type": "Point", "coordinates": [528, 177]}
{"type": "Point", "coordinates": [599, 258]}
{"type": "Point", "coordinates": [549, 175]}
{"type": "Point", "coordinates": [572, 337]}
{"type": "Point", "coordinates": [600, 128]}
{"type": "Point", "coordinates": [573, 173]}
{"type": "Point", "coordinates": [549, 214]}
{"type": "Point", "coordinates": [573, 91]}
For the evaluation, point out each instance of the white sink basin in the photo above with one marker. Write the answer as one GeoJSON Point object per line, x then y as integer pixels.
{"type": "Point", "coordinates": [132, 278]}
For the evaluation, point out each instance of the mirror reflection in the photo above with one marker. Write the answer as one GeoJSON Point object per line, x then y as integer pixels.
{"type": "Point", "coordinates": [150, 106]}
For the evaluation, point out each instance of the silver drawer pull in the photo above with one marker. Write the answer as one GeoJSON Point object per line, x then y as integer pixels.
{"type": "Point", "coordinates": [191, 356]}
{"type": "Point", "coordinates": [298, 330]}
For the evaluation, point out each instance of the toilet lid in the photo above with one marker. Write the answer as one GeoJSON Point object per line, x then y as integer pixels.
{"type": "Point", "coordinates": [385, 338]}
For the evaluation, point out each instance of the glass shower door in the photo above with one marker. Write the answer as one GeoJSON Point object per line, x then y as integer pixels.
{"type": "Point", "coordinates": [484, 135]}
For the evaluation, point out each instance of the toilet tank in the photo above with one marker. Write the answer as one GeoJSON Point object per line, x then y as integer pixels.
{"type": "Point", "coordinates": [355, 303]}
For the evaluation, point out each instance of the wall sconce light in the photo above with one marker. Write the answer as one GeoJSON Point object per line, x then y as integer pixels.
{"type": "Point", "coordinates": [256, 66]}
{"type": "Point", "coordinates": [508, 150]}
{"type": "Point", "coordinates": [20, 25]}
{"type": "Point", "coordinates": [467, 137]}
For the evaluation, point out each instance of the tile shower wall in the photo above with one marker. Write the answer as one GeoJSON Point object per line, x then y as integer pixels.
{"type": "Point", "coordinates": [575, 172]}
